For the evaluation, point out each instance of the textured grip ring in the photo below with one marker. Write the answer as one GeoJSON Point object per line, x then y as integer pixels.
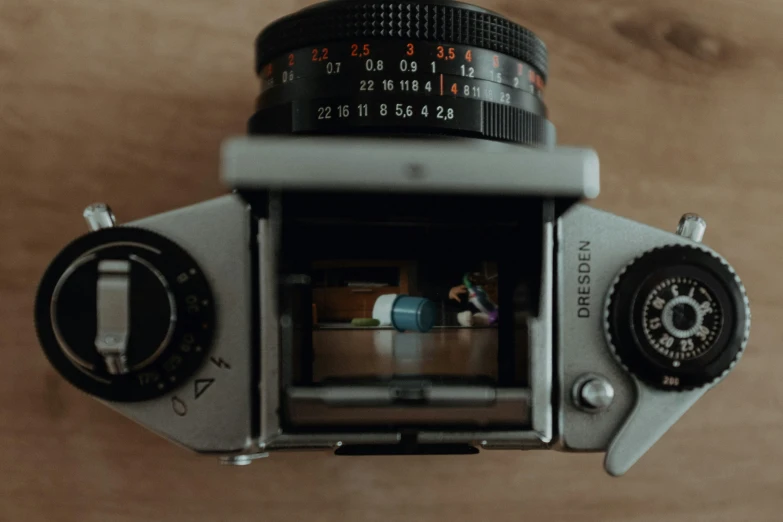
{"type": "Point", "coordinates": [434, 21]}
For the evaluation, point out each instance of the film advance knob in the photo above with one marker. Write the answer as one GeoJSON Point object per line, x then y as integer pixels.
{"type": "Point", "coordinates": [125, 314]}
{"type": "Point", "coordinates": [677, 317]}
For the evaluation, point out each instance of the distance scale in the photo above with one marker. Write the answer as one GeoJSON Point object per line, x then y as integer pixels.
{"type": "Point", "coordinates": [446, 62]}
{"type": "Point", "coordinates": [402, 87]}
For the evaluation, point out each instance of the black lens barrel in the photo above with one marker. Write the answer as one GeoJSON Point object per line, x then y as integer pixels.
{"type": "Point", "coordinates": [444, 68]}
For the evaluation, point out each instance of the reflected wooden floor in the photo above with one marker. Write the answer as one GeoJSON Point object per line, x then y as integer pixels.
{"type": "Point", "coordinates": [386, 352]}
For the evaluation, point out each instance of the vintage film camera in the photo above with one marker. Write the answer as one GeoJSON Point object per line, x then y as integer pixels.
{"type": "Point", "coordinates": [403, 266]}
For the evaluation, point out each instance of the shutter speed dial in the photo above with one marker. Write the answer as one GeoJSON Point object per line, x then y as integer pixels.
{"type": "Point", "coordinates": [125, 314]}
{"type": "Point", "coordinates": [677, 317]}
{"type": "Point", "coordinates": [681, 318]}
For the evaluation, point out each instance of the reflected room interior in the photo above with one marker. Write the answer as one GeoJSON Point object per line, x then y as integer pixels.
{"type": "Point", "coordinates": [355, 334]}
{"type": "Point", "coordinates": [435, 295]}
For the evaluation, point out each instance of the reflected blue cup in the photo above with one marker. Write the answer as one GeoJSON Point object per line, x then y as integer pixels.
{"type": "Point", "coordinates": [413, 313]}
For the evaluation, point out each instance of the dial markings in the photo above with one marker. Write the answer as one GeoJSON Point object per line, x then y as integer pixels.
{"type": "Point", "coordinates": [681, 319]}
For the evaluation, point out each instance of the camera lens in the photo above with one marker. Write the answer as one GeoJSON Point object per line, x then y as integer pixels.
{"type": "Point", "coordinates": [389, 68]}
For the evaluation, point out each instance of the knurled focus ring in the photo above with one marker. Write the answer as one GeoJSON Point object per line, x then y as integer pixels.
{"type": "Point", "coordinates": [350, 19]}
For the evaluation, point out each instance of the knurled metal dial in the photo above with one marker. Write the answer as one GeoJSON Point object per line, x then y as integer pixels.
{"type": "Point", "coordinates": [125, 314]}
{"type": "Point", "coordinates": [443, 21]}
{"type": "Point", "coordinates": [677, 317]}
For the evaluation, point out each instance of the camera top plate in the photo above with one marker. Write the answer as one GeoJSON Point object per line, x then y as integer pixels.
{"type": "Point", "coordinates": [406, 165]}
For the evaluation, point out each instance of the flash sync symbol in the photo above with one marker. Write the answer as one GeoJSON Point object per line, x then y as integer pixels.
{"type": "Point", "coordinates": [220, 363]}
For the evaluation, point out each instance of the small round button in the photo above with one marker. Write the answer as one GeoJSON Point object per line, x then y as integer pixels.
{"type": "Point", "coordinates": [593, 393]}
{"type": "Point", "coordinates": [125, 314]}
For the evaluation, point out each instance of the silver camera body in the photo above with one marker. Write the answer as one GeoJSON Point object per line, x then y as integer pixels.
{"type": "Point", "coordinates": [404, 266]}
{"type": "Point", "coordinates": [578, 395]}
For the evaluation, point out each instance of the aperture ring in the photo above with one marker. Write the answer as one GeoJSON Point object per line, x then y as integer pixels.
{"type": "Point", "coordinates": [403, 115]}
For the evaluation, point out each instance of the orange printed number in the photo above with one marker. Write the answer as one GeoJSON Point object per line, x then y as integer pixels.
{"type": "Point", "coordinates": [291, 59]}
{"type": "Point", "coordinates": [410, 49]}
{"type": "Point", "coordinates": [454, 89]}
{"type": "Point", "coordinates": [536, 80]}
{"type": "Point", "coordinates": [469, 56]}
{"type": "Point", "coordinates": [495, 61]}
{"type": "Point", "coordinates": [320, 56]}
{"type": "Point", "coordinates": [364, 50]}
{"type": "Point", "coordinates": [444, 55]}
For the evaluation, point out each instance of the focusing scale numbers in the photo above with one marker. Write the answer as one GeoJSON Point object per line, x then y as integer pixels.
{"type": "Point", "coordinates": [389, 62]}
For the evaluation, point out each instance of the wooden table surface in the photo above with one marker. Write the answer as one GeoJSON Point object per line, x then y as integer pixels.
{"type": "Point", "coordinates": [127, 102]}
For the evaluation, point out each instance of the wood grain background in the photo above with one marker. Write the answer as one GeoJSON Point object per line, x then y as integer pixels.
{"type": "Point", "coordinates": [127, 102]}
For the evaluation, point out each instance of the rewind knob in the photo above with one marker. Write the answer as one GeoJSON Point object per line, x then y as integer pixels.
{"type": "Point", "coordinates": [677, 317]}
{"type": "Point", "coordinates": [125, 314]}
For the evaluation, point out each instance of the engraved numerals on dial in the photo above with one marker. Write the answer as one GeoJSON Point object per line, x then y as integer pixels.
{"type": "Point", "coordinates": [131, 335]}
{"type": "Point", "coordinates": [677, 317]}
{"type": "Point", "coordinates": [681, 318]}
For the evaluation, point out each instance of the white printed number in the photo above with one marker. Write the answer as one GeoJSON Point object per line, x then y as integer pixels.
{"type": "Point", "coordinates": [407, 85]}
{"type": "Point", "coordinates": [406, 66]}
{"type": "Point", "coordinates": [669, 380]}
{"type": "Point", "coordinates": [403, 111]}
{"type": "Point", "coordinates": [373, 65]}
{"type": "Point", "coordinates": [343, 111]}
{"type": "Point", "coordinates": [367, 85]}
{"type": "Point", "coordinates": [288, 76]}
{"type": "Point", "coordinates": [324, 113]}
{"type": "Point", "coordinates": [445, 114]}
{"type": "Point", "coordinates": [505, 97]}
{"type": "Point", "coordinates": [474, 91]}
{"type": "Point", "coordinates": [703, 333]}
{"type": "Point", "coordinates": [333, 68]}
